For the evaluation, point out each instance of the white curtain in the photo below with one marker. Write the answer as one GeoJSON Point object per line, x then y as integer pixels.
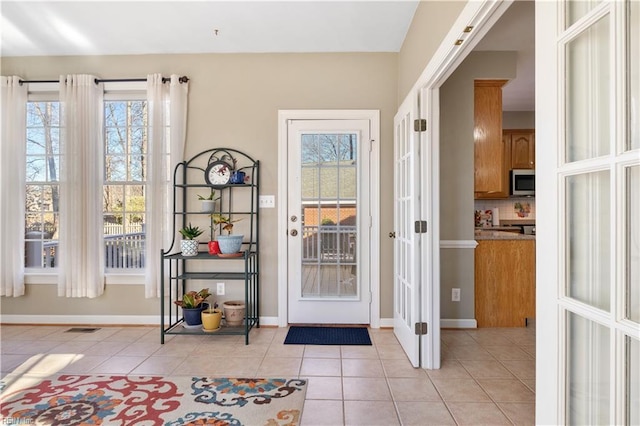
{"type": "Point", "coordinates": [13, 107]}
{"type": "Point", "coordinates": [167, 106]}
{"type": "Point", "coordinates": [81, 265]}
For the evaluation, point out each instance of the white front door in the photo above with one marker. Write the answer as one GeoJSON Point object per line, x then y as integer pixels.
{"type": "Point", "coordinates": [406, 271]}
{"type": "Point", "coordinates": [329, 221]}
{"type": "Point", "coordinates": [588, 212]}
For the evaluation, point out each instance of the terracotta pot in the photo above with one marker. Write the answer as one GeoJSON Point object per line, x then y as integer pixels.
{"type": "Point", "coordinates": [233, 312]}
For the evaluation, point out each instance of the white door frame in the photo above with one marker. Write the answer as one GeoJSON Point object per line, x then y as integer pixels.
{"type": "Point", "coordinates": [374, 199]}
{"type": "Point", "coordinates": [480, 16]}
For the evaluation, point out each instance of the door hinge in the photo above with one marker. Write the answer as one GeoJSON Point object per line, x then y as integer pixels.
{"type": "Point", "coordinates": [421, 328]}
{"type": "Point", "coordinates": [420, 226]}
{"type": "Point", "coordinates": [420, 124]}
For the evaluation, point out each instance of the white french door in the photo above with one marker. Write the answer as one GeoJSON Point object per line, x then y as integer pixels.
{"type": "Point", "coordinates": [329, 221]}
{"type": "Point", "coordinates": [588, 212]}
{"type": "Point", "coordinates": [406, 270]}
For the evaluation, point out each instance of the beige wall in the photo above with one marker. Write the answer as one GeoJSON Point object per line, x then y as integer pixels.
{"type": "Point", "coordinates": [456, 174]}
{"type": "Point", "coordinates": [431, 23]}
{"type": "Point", "coordinates": [233, 102]}
{"type": "Point", "coordinates": [518, 120]}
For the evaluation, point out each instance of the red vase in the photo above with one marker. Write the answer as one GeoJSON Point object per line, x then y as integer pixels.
{"type": "Point", "coordinates": [214, 247]}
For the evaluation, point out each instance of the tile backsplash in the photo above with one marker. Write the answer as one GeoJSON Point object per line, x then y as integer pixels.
{"type": "Point", "coordinates": [523, 208]}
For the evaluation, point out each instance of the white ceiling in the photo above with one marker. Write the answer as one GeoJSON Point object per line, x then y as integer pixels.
{"type": "Point", "coordinates": [147, 27]}
{"type": "Point", "coordinates": [40, 28]}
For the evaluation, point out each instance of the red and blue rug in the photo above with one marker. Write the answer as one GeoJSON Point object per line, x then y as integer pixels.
{"type": "Point", "coordinates": [136, 400]}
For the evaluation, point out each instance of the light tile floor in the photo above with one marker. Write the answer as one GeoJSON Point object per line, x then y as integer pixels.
{"type": "Point", "coordinates": [487, 375]}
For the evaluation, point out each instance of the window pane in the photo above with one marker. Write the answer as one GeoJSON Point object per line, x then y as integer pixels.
{"type": "Point", "coordinates": [633, 56]}
{"type": "Point", "coordinates": [588, 365]}
{"type": "Point", "coordinates": [632, 266]}
{"type": "Point", "coordinates": [576, 9]}
{"type": "Point", "coordinates": [137, 171]}
{"type": "Point", "coordinates": [633, 381]}
{"type": "Point", "coordinates": [42, 197]}
{"type": "Point", "coordinates": [587, 93]}
{"type": "Point", "coordinates": [588, 238]}
{"type": "Point", "coordinates": [329, 220]}
{"type": "Point", "coordinates": [124, 190]}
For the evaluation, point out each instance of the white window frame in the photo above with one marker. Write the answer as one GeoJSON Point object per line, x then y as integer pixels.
{"type": "Point", "coordinates": [112, 91]}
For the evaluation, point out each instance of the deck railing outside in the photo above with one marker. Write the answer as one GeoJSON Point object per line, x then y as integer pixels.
{"type": "Point", "coordinates": [329, 244]}
{"type": "Point", "coordinates": [121, 251]}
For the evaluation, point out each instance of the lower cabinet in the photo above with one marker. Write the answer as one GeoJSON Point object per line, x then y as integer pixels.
{"type": "Point", "coordinates": [505, 281]}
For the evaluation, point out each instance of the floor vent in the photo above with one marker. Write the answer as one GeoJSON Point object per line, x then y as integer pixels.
{"type": "Point", "coordinates": [82, 330]}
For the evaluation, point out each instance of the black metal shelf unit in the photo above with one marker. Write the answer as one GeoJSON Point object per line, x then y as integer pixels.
{"type": "Point", "coordinates": [238, 202]}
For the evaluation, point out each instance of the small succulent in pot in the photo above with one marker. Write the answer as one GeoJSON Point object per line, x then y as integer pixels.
{"type": "Point", "coordinates": [189, 244]}
{"type": "Point", "coordinates": [208, 203]}
{"type": "Point", "coordinates": [191, 232]}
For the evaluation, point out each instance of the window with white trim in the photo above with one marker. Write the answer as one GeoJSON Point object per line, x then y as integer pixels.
{"type": "Point", "coordinates": [125, 150]}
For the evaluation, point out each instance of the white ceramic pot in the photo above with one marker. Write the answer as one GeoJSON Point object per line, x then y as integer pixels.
{"type": "Point", "coordinates": [189, 247]}
{"type": "Point", "coordinates": [230, 244]}
{"type": "Point", "coordinates": [208, 206]}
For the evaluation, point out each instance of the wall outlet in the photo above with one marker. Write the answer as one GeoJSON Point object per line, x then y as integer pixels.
{"type": "Point", "coordinates": [455, 294]}
{"type": "Point", "coordinates": [220, 289]}
{"type": "Point", "coordinates": [267, 201]}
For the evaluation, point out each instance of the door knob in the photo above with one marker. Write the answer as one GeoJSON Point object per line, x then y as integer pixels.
{"type": "Point", "coordinates": [294, 218]}
{"type": "Point", "coordinates": [392, 234]}
{"type": "Point", "coordinates": [293, 232]}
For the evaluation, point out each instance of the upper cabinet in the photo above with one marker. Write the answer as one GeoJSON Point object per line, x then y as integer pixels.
{"type": "Point", "coordinates": [523, 148]}
{"type": "Point", "coordinates": [491, 150]}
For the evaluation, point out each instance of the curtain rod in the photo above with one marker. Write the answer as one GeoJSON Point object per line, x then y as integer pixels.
{"type": "Point", "coordinates": [182, 79]}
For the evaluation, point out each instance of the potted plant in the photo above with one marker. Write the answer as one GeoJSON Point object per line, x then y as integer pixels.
{"type": "Point", "coordinates": [208, 203]}
{"type": "Point", "coordinates": [192, 305]}
{"type": "Point", "coordinates": [211, 318]}
{"type": "Point", "coordinates": [229, 244]}
{"type": "Point", "coordinates": [189, 245]}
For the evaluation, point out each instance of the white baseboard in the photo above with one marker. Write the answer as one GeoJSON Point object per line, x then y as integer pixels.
{"type": "Point", "coordinates": [458, 323]}
{"type": "Point", "coordinates": [99, 319]}
{"type": "Point", "coordinates": [386, 322]}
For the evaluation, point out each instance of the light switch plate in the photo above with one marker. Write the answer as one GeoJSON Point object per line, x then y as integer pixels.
{"type": "Point", "coordinates": [267, 201]}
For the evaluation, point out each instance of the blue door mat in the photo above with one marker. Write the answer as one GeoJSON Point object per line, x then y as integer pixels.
{"type": "Point", "coordinates": [327, 336]}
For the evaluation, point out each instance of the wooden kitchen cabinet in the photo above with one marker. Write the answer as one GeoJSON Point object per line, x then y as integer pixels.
{"type": "Point", "coordinates": [523, 148]}
{"type": "Point", "coordinates": [505, 280]}
{"type": "Point", "coordinates": [490, 156]}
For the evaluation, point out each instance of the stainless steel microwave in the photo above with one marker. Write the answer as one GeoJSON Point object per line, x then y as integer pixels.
{"type": "Point", "coordinates": [523, 183]}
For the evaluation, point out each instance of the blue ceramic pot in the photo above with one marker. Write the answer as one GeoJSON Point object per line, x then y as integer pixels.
{"type": "Point", "coordinates": [230, 244]}
{"type": "Point", "coordinates": [192, 316]}
{"type": "Point", "coordinates": [237, 177]}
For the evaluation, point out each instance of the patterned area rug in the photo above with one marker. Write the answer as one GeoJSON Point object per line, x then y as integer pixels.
{"type": "Point", "coordinates": [134, 400]}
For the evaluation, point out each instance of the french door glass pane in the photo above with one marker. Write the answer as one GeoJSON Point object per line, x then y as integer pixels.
{"type": "Point", "coordinates": [633, 381]}
{"type": "Point", "coordinates": [587, 93]}
{"type": "Point", "coordinates": [588, 365]}
{"type": "Point", "coordinates": [329, 215]}
{"type": "Point", "coordinates": [633, 243]}
{"type": "Point", "coordinates": [588, 238]}
{"type": "Point", "coordinates": [633, 58]}
{"type": "Point", "coordinates": [576, 9]}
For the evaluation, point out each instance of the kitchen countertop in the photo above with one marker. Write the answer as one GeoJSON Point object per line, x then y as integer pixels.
{"type": "Point", "coordinates": [490, 234]}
